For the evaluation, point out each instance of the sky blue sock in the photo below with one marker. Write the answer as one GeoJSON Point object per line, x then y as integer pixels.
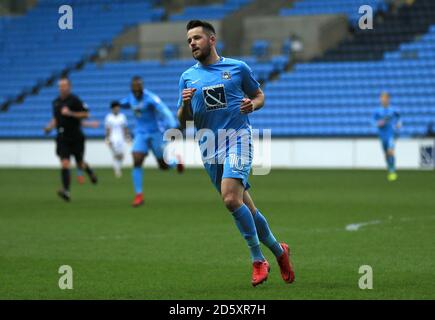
{"type": "Point", "coordinates": [79, 172]}
{"type": "Point", "coordinates": [265, 234]}
{"type": "Point", "coordinates": [391, 163]}
{"type": "Point", "coordinates": [137, 175]}
{"type": "Point", "coordinates": [246, 225]}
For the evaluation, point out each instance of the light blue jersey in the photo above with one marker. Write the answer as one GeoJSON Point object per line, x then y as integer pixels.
{"type": "Point", "coordinates": [153, 118]}
{"type": "Point", "coordinates": [220, 88]}
{"type": "Point", "coordinates": [151, 113]}
{"type": "Point", "coordinates": [388, 131]}
{"type": "Point", "coordinates": [391, 118]}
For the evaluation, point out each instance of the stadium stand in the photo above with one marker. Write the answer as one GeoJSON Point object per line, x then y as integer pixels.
{"type": "Point", "coordinates": [337, 98]}
{"type": "Point", "coordinates": [129, 52]}
{"type": "Point", "coordinates": [320, 98]}
{"type": "Point", "coordinates": [160, 77]}
{"type": "Point", "coordinates": [35, 49]}
{"type": "Point", "coordinates": [395, 29]}
{"type": "Point", "coordinates": [332, 98]}
{"type": "Point", "coordinates": [347, 7]}
{"type": "Point", "coordinates": [209, 12]}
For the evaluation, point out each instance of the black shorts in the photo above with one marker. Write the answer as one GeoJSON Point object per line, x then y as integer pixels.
{"type": "Point", "coordinates": [65, 148]}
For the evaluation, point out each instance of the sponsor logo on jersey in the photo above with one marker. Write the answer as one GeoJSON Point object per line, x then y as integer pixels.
{"type": "Point", "coordinates": [214, 97]}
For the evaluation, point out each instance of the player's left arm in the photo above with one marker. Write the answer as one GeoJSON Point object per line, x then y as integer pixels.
{"type": "Point", "coordinates": [107, 137]}
{"type": "Point", "coordinates": [127, 134]}
{"type": "Point", "coordinates": [251, 87]}
{"type": "Point", "coordinates": [398, 120]}
{"type": "Point", "coordinates": [253, 103]}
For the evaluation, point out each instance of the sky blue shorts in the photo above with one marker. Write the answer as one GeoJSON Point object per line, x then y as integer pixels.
{"type": "Point", "coordinates": [236, 164]}
{"type": "Point", "coordinates": [387, 143]}
{"type": "Point", "coordinates": [143, 142]}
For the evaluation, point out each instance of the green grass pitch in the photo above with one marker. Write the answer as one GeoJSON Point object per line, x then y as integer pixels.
{"type": "Point", "coordinates": [184, 245]}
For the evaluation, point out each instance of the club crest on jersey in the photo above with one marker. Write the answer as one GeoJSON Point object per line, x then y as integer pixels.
{"type": "Point", "coordinates": [214, 97]}
{"type": "Point", "coordinates": [226, 75]}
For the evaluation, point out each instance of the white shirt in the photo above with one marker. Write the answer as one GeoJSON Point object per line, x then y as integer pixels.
{"type": "Point", "coordinates": [116, 124]}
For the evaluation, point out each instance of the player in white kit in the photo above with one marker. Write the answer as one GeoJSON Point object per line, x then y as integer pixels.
{"type": "Point", "coordinates": [116, 135]}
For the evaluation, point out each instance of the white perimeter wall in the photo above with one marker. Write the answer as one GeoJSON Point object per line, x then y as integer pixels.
{"type": "Point", "coordinates": [282, 153]}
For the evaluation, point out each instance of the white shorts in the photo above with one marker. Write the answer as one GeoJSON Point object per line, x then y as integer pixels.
{"type": "Point", "coordinates": [117, 146]}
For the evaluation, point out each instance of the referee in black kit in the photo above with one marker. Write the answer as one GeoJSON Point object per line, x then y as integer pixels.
{"type": "Point", "coordinates": [68, 112]}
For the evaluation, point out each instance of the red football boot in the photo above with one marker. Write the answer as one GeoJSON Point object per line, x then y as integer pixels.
{"type": "Point", "coordinates": [260, 272]}
{"type": "Point", "coordinates": [285, 264]}
{"type": "Point", "coordinates": [81, 179]}
{"type": "Point", "coordinates": [138, 200]}
{"type": "Point", "coordinates": [180, 165]}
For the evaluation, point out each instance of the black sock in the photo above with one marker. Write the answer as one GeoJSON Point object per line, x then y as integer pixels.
{"type": "Point", "coordinates": [65, 179]}
{"type": "Point", "coordinates": [89, 170]}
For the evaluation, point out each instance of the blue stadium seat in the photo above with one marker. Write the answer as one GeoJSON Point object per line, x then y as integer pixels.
{"type": "Point", "coordinates": [260, 48]}
{"type": "Point", "coordinates": [30, 42]}
{"type": "Point", "coordinates": [129, 52]}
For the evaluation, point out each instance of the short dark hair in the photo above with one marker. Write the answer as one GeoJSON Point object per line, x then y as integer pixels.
{"type": "Point", "coordinates": [114, 104]}
{"type": "Point", "coordinates": [64, 78]}
{"type": "Point", "coordinates": [208, 27]}
{"type": "Point", "coordinates": [137, 78]}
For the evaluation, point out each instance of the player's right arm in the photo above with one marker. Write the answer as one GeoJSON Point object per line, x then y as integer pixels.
{"type": "Point", "coordinates": [107, 126]}
{"type": "Point", "coordinates": [379, 122]}
{"type": "Point", "coordinates": [184, 112]}
{"type": "Point", "coordinates": [125, 103]}
{"type": "Point", "coordinates": [50, 126]}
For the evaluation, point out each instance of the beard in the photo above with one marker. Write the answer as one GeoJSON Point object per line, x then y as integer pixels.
{"type": "Point", "coordinates": [138, 94]}
{"type": "Point", "coordinates": [203, 55]}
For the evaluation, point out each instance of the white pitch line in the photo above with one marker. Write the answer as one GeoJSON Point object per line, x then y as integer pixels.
{"type": "Point", "coordinates": [357, 226]}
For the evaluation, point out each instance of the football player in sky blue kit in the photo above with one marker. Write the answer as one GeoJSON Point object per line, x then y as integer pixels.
{"type": "Point", "coordinates": [218, 94]}
{"type": "Point", "coordinates": [387, 120]}
{"type": "Point", "coordinates": [153, 118]}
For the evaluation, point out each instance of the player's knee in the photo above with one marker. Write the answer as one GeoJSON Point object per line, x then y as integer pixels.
{"type": "Point", "coordinates": [390, 152]}
{"type": "Point", "coordinates": [137, 162]}
{"type": "Point", "coordinates": [138, 159]}
{"type": "Point", "coordinates": [232, 201]}
{"type": "Point", "coordinates": [65, 164]}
